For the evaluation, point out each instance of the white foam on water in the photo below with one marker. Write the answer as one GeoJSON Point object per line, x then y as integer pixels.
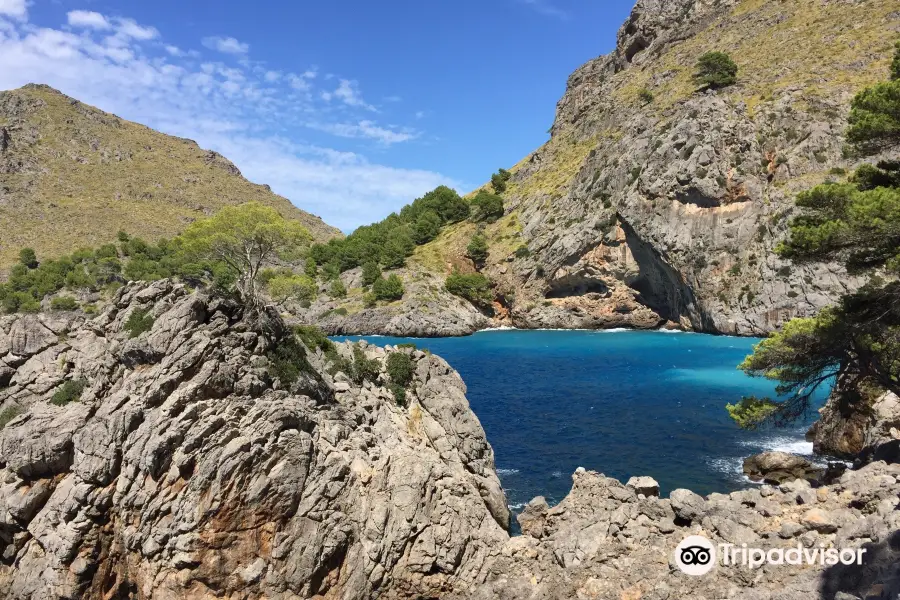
{"type": "Point", "coordinates": [782, 443]}
{"type": "Point", "coordinates": [507, 471]}
{"type": "Point", "coordinates": [501, 328]}
{"type": "Point", "coordinates": [517, 505]}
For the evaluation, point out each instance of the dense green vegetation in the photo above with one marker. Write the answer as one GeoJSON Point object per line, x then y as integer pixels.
{"type": "Point", "coordinates": [371, 273]}
{"type": "Point", "coordinates": [400, 369]}
{"type": "Point", "coordinates": [856, 342]}
{"type": "Point", "coordinates": [245, 238]}
{"type": "Point", "coordinates": [715, 70]}
{"type": "Point", "coordinates": [389, 242]}
{"type": "Point", "coordinates": [500, 180]}
{"type": "Point", "coordinates": [63, 303]}
{"type": "Point", "coordinates": [287, 361]}
{"type": "Point", "coordinates": [226, 251]}
{"type": "Point", "coordinates": [474, 287]}
{"type": "Point", "coordinates": [284, 284]}
{"type": "Point", "coordinates": [487, 207]}
{"type": "Point", "coordinates": [337, 290]}
{"type": "Point", "coordinates": [68, 392]}
{"type": "Point", "coordinates": [477, 249]}
{"type": "Point", "coordinates": [388, 289]}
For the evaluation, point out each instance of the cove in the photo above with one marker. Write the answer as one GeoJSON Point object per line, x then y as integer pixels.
{"type": "Point", "coordinates": [623, 403]}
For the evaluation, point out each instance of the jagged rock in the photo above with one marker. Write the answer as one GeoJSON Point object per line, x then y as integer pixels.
{"type": "Point", "coordinates": [187, 470]}
{"type": "Point", "coordinates": [845, 431]}
{"type": "Point", "coordinates": [779, 467]}
{"type": "Point", "coordinates": [644, 485]}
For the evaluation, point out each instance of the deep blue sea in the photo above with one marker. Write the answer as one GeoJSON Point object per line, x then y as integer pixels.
{"type": "Point", "coordinates": [622, 403]}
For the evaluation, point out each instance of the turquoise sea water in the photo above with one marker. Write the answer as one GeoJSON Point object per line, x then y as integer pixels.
{"type": "Point", "coordinates": [620, 402]}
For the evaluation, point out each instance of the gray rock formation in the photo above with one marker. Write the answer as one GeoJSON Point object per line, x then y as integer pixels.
{"type": "Point", "coordinates": [603, 541]}
{"type": "Point", "coordinates": [642, 213]}
{"type": "Point", "coordinates": [186, 469]}
{"type": "Point", "coordinates": [780, 467]}
{"type": "Point", "coordinates": [845, 431]}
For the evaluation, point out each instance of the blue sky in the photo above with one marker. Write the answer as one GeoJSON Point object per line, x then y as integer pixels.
{"type": "Point", "coordinates": [350, 108]}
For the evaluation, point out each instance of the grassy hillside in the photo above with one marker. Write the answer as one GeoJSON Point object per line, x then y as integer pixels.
{"type": "Point", "coordinates": [72, 175]}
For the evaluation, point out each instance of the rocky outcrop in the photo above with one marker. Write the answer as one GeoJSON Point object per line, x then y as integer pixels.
{"type": "Point", "coordinates": [640, 212]}
{"type": "Point", "coordinates": [607, 541]}
{"type": "Point", "coordinates": [780, 467]}
{"type": "Point", "coordinates": [845, 430]}
{"type": "Point", "coordinates": [188, 469]}
{"type": "Point", "coordinates": [204, 459]}
{"type": "Point", "coordinates": [427, 310]}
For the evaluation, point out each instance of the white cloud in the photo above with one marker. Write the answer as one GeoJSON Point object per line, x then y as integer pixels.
{"type": "Point", "coordinates": [17, 9]}
{"type": "Point", "coordinates": [272, 76]}
{"type": "Point", "coordinates": [348, 93]}
{"type": "Point", "coordinates": [368, 130]}
{"type": "Point", "coordinates": [128, 28]}
{"type": "Point", "coordinates": [244, 112]}
{"type": "Point", "coordinates": [227, 45]}
{"type": "Point", "coordinates": [89, 19]}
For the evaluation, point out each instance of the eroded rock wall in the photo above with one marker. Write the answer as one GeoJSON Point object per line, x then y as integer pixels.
{"type": "Point", "coordinates": [185, 470]}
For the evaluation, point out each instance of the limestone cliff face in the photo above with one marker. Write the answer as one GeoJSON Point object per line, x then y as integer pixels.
{"type": "Point", "coordinates": [185, 470]}
{"type": "Point", "coordinates": [699, 184]}
{"type": "Point", "coordinates": [640, 212]}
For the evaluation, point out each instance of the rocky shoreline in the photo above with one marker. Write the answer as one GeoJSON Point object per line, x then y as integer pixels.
{"type": "Point", "coordinates": [186, 469]}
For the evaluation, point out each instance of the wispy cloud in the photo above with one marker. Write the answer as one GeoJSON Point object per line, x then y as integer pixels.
{"type": "Point", "coordinates": [546, 7]}
{"type": "Point", "coordinates": [368, 130]}
{"type": "Point", "coordinates": [227, 45]}
{"type": "Point", "coordinates": [253, 114]}
{"type": "Point", "coordinates": [87, 18]}
{"type": "Point", "coordinates": [348, 93]}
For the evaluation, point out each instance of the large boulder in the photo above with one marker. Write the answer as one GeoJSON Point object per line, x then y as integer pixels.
{"type": "Point", "coordinates": [780, 467]}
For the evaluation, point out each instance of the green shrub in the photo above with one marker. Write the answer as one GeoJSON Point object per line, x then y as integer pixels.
{"type": "Point", "coordinates": [28, 258]}
{"type": "Point", "coordinates": [477, 249]}
{"type": "Point", "coordinates": [310, 268]}
{"type": "Point", "coordinates": [474, 287]}
{"type": "Point", "coordinates": [337, 289]}
{"type": "Point", "coordinates": [287, 361]}
{"type": "Point", "coordinates": [499, 180]}
{"type": "Point", "coordinates": [646, 96]}
{"type": "Point", "coordinates": [298, 287]}
{"type": "Point", "coordinates": [427, 227]}
{"type": "Point", "coordinates": [399, 394]}
{"type": "Point", "coordinates": [400, 368]}
{"type": "Point", "coordinates": [409, 345]}
{"type": "Point", "coordinates": [388, 289]}
{"type": "Point", "coordinates": [139, 321]}
{"type": "Point", "coordinates": [369, 299]}
{"type": "Point", "coordinates": [313, 337]}
{"type": "Point", "coordinates": [69, 391]}
{"type": "Point", "coordinates": [370, 272]}
{"type": "Point", "coordinates": [363, 369]}
{"type": "Point", "coordinates": [716, 70]}
{"type": "Point", "coordinates": [487, 207]}
{"type": "Point", "coordinates": [10, 413]}
{"type": "Point", "coordinates": [63, 303]}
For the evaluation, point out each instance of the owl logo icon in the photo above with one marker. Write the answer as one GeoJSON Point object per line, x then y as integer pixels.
{"type": "Point", "coordinates": [695, 556]}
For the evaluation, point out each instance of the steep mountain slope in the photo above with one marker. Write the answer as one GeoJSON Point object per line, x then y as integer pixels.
{"type": "Point", "coordinates": [640, 212]}
{"type": "Point", "coordinates": [72, 175]}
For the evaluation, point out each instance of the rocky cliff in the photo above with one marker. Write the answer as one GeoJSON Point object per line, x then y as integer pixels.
{"type": "Point", "coordinates": [190, 462]}
{"type": "Point", "coordinates": [180, 468]}
{"type": "Point", "coordinates": [656, 202]}
{"type": "Point", "coordinates": [72, 176]}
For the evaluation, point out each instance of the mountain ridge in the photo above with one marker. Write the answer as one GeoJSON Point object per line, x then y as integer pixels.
{"type": "Point", "coordinates": [67, 167]}
{"type": "Point", "coordinates": [674, 205]}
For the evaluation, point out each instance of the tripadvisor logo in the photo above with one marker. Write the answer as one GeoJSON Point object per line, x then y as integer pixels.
{"type": "Point", "coordinates": [696, 556]}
